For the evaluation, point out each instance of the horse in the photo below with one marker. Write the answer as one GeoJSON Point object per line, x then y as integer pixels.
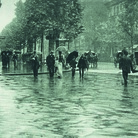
{"type": "Point", "coordinates": [92, 59]}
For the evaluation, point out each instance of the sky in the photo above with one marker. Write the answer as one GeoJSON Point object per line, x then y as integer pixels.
{"type": "Point", "coordinates": [7, 12]}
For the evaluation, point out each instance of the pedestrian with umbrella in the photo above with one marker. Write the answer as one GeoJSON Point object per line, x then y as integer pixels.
{"type": "Point", "coordinates": [71, 60]}
{"type": "Point", "coordinates": [71, 56]}
{"type": "Point", "coordinates": [73, 63]}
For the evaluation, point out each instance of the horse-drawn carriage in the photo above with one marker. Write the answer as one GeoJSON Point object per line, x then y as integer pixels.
{"type": "Point", "coordinates": [92, 58]}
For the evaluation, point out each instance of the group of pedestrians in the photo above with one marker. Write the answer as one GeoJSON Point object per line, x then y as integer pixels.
{"type": "Point", "coordinates": [5, 55]}
{"type": "Point", "coordinates": [8, 56]}
{"type": "Point", "coordinates": [55, 64]}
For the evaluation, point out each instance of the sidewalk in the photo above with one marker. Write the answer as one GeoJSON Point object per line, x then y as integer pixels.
{"type": "Point", "coordinates": [105, 67]}
{"type": "Point", "coordinates": [108, 68]}
{"type": "Point", "coordinates": [23, 69]}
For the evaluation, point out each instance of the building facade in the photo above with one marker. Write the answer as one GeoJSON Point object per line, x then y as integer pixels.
{"type": "Point", "coordinates": [115, 7]}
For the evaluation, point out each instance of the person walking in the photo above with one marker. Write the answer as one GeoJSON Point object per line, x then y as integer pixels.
{"type": "Point", "coordinates": [61, 58]}
{"type": "Point", "coordinates": [59, 64]}
{"type": "Point", "coordinates": [4, 61]}
{"type": "Point", "coordinates": [15, 58]}
{"type": "Point", "coordinates": [82, 65]}
{"type": "Point", "coordinates": [50, 61]}
{"type": "Point", "coordinates": [35, 64]}
{"type": "Point", "coordinates": [125, 64]}
{"type": "Point", "coordinates": [7, 59]}
{"type": "Point", "coordinates": [73, 63]}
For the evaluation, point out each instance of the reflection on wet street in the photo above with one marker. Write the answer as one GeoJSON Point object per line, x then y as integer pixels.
{"type": "Point", "coordinates": [98, 106]}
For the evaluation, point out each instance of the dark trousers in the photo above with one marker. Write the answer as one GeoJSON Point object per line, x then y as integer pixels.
{"type": "Point", "coordinates": [125, 76]}
{"type": "Point", "coordinates": [35, 71]}
{"type": "Point", "coordinates": [15, 63]}
{"type": "Point", "coordinates": [73, 72]}
{"type": "Point", "coordinates": [51, 71]}
{"type": "Point", "coordinates": [81, 72]}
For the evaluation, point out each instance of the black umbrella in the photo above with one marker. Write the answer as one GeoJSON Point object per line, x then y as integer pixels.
{"type": "Point", "coordinates": [71, 56]}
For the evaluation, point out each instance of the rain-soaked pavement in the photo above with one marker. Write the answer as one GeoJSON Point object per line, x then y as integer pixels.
{"type": "Point", "coordinates": [98, 106]}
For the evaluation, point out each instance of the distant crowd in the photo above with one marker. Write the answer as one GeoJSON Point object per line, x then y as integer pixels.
{"type": "Point", "coordinates": [6, 57]}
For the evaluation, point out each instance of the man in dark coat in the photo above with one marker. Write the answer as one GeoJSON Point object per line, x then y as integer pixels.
{"type": "Point", "coordinates": [4, 61]}
{"type": "Point", "coordinates": [125, 64]}
{"type": "Point", "coordinates": [82, 65]}
{"type": "Point", "coordinates": [50, 61]}
{"type": "Point", "coordinates": [35, 64]}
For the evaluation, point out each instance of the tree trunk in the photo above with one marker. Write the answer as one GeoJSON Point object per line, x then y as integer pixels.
{"type": "Point", "coordinates": [30, 45]}
{"type": "Point", "coordinates": [51, 44]}
{"type": "Point", "coordinates": [35, 44]}
{"type": "Point", "coordinates": [42, 42]}
{"type": "Point", "coordinates": [132, 43]}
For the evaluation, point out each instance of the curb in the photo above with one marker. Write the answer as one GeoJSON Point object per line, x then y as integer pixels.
{"type": "Point", "coordinates": [30, 73]}
{"type": "Point", "coordinates": [92, 71]}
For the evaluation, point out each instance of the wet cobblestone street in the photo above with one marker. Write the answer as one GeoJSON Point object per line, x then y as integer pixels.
{"type": "Point", "coordinates": [98, 106]}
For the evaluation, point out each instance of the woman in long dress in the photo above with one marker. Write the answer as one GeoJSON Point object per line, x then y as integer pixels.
{"type": "Point", "coordinates": [59, 65]}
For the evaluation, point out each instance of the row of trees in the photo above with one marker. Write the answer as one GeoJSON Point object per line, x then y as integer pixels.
{"type": "Point", "coordinates": [36, 18]}
{"type": "Point", "coordinates": [121, 30]}
{"type": "Point", "coordinates": [106, 34]}
{"type": "Point", "coordinates": [95, 14]}
{"type": "Point", "coordinates": [128, 22]}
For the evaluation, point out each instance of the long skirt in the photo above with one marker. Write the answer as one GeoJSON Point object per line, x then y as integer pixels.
{"type": "Point", "coordinates": [59, 70]}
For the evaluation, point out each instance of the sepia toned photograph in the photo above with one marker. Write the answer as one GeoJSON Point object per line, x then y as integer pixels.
{"type": "Point", "coordinates": [68, 68]}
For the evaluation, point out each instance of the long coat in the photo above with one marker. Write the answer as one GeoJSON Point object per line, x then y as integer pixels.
{"type": "Point", "coordinates": [50, 60]}
{"type": "Point", "coordinates": [125, 64]}
{"type": "Point", "coordinates": [83, 63]}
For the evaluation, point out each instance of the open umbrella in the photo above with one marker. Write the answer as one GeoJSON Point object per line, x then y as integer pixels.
{"type": "Point", "coordinates": [71, 56]}
{"type": "Point", "coordinates": [63, 49]}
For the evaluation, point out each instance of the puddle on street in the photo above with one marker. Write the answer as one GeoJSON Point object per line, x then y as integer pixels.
{"type": "Point", "coordinates": [97, 106]}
